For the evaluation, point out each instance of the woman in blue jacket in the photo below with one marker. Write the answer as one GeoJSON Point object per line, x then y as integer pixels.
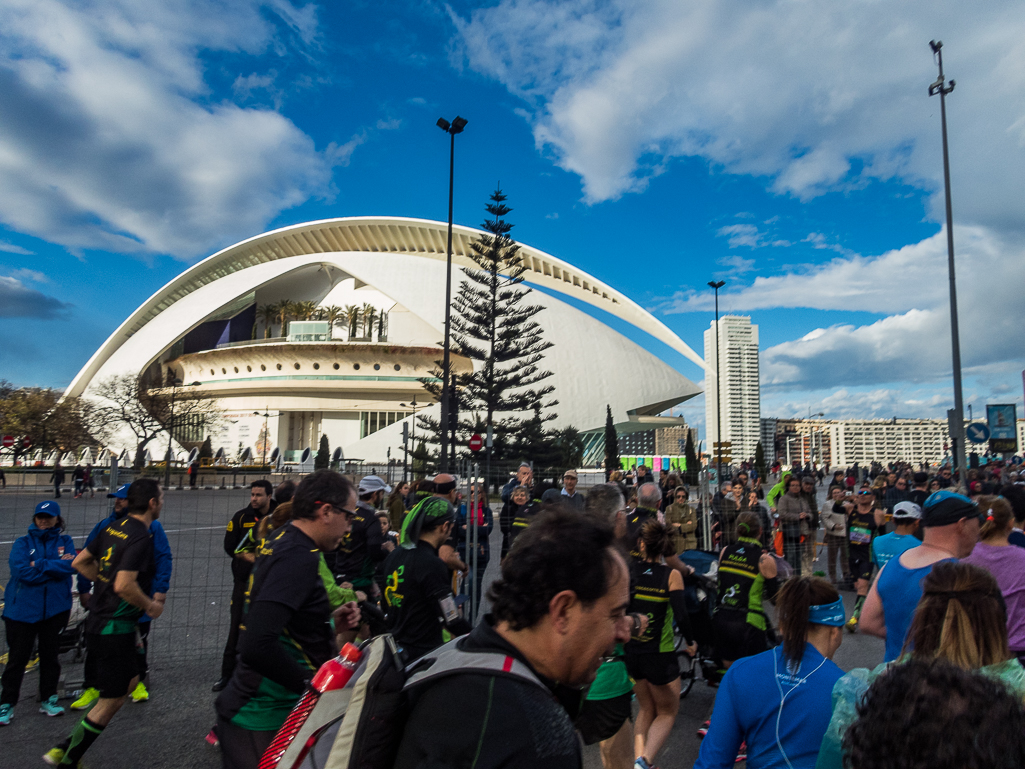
{"type": "Point", "coordinates": [38, 603]}
{"type": "Point", "coordinates": [779, 702]}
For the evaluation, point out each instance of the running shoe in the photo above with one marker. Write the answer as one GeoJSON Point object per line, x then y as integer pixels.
{"type": "Point", "coordinates": [852, 625]}
{"type": "Point", "coordinates": [32, 664]}
{"type": "Point", "coordinates": [742, 753]}
{"type": "Point", "coordinates": [50, 707]}
{"type": "Point", "coordinates": [140, 694]}
{"type": "Point", "coordinates": [87, 700]}
{"type": "Point", "coordinates": [212, 738]}
{"type": "Point", "coordinates": [642, 763]}
{"type": "Point", "coordinates": [6, 713]}
{"type": "Point", "coordinates": [54, 756]}
{"type": "Point", "coordinates": [703, 729]}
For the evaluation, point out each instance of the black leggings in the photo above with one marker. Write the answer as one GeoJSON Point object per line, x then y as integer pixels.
{"type": "Point", "coordinates": [20, 638]}
{"type": "Point", "coordinates": [241, 748]}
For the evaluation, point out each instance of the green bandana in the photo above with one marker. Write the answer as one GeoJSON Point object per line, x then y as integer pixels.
{"type": "Point", "coordinates": [427, 509]}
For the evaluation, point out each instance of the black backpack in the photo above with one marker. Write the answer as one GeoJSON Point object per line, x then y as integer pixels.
{"type": "Point", "coordinates": [361, 726]}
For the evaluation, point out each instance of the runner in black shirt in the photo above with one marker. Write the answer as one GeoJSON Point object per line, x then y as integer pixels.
{"type": "Point", "coordinates": [286, 633]}
{"type": "Point", "coordinates": [418, 595]}
{"type": "Point", "coordinates": [120, 563]}
{"type": "Point", "coordinates": [359, 553]}
{"type": "Point", "coordinates": [240, 545]}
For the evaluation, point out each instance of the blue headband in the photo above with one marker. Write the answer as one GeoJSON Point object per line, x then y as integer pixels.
{"type": "Point", "coordinates": [831, 614]}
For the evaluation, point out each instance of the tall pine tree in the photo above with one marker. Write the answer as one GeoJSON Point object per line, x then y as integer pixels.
{"type": "Point", "coordinates": [494, 326]}
{"type": "Point", "coordinates": [691, 457]}
{"type": "Point", "coordinates": [612, 461]}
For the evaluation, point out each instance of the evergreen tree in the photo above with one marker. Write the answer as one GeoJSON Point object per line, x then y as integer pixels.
{"type": "Point", "coordinates": [323, 458]}
{"type": "Point", "coordinates": [493, 325]}
{"type": "Point", "coordinates": [206, 451]}
{"type": "Point", "coordinates": [421, 459]}
{"type": "Point", "coordinates": [763, 471]}
{"type": "Point", "coordinates": [612, 461]}
{"type": "Point", "coordinates": [693, 465]}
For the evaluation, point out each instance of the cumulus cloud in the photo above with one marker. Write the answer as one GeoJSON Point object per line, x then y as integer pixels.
{"type": "Point", "coordinates": [19, 301]}
{"type": "Point", "coordinates": [12, 248]}
{"type": "Point", "coordinates": [815, 96]}
{"type": "Point", "coordinates": [109, 138]}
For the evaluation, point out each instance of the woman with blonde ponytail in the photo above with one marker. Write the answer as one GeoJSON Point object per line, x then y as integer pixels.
{"type": "Point", "coordinates": [1006, 563]}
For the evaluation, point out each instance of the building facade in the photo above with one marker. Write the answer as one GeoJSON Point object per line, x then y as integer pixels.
{"type": "Point", "coordinates": [377, 285]}
{"type": "Point", "coordinates": [738, 391]}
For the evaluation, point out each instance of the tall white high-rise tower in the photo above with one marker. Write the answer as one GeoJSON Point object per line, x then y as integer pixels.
{"type": "Point", "coordinates": [738, 387]}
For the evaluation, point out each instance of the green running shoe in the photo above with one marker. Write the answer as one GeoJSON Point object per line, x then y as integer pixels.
{"type": "Point", "coordinates": [87, 700]}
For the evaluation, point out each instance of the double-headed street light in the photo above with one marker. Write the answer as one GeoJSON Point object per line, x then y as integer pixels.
{"type": "Point", "coordinates": [940, 87]}
{"type": "Point", "coordinates": [412, 439]}
{"type": "Point", "coordinates": [453, 128]}
{"type": "Point", "coordinates": [716, 285]}
{"type": "Point", "coordinates": [266, 434]}
{"type": "Point", "coordinates": [811, 435]}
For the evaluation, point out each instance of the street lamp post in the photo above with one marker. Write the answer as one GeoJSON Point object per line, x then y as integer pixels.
{"type": "Point", "coordinates": [453, 128]}
{"type": "Point", "coordinates": [716, 285]}
{"type": "Point", "coordinates": [176, 382]}
{"type": "Point", "coordinates": [940, 87]}
{"type": "Point", "coordinates": [266, 433]}
{"type": "Point", "coordinates": [412, 438]}
{"type": "Point", "coordinates": [811, 436]}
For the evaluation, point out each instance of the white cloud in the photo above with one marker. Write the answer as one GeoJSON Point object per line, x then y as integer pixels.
{"type": "Point", "coordinates": [814, 95]}
{"type": "Point", "coordinates": [737, 264]}
{"type": "Point", "coordinates": [112, 141]}
{"type": "Point", "coordinates": [12, 248]}
{"type": "Point", "coordinates": [740, 235]}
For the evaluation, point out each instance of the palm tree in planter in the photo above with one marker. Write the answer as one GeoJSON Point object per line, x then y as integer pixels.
{"type": "Point", "coordinates": [267, 314]}
{"type": "Point", "coordinates": [369, 313]}
{"type": "Point", "coordinates": [352, 318]}
{"type": "Point", "coordinates": [333, 314]}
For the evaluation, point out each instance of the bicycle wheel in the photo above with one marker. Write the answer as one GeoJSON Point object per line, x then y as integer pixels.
{"type": "Point", "coordinates": [688, 672]}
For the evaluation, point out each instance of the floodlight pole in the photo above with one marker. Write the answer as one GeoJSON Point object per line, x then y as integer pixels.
{"type": "Point", "coordinates": [940, 87]}
{"type": "Point", "coordinates": [716, 285]}
{"type": "Point", "coordinates": [453, 128]}
{"type": "Point", "coordinates": [170, 436]}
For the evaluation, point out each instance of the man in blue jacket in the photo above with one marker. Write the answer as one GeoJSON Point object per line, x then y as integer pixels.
{"type": "Point", "coordinates": [162, 560]}
{"type": "Point", "coordinates": [38, 603]}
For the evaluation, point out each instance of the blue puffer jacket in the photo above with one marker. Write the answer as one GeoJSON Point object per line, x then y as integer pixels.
{"type": "Point", "coordinates": [38, 592]}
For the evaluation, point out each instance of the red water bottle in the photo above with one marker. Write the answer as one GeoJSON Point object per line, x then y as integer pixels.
{"type": "Point", "coordinates": [333, 675]}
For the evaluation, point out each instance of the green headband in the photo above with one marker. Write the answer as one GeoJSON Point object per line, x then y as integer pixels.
{"type": "Point", "coordinates": [427, 509]}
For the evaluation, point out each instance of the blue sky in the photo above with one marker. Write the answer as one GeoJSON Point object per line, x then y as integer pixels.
{"type": "Point", "coordinates": [789, 149]}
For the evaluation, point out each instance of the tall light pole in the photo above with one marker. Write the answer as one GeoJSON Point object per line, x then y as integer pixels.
{"type": "Point", "coordinates": [716, 285]}
{"type": "Point", "coordinates": [412, 438]}
{"type": "Point", "coordinates": [266, 433]}
{"type": "Point", "coordinates": [811, 435]}
{"type": "Point", "coordinates": [940, 87]}
{"type": "Point", "coordinates": [453, 128]}
{"type": "Point", "coordinates": [176, 382]}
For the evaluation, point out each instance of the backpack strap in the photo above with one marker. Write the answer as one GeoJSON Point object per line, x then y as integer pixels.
{"type": "Point", "coordinates": [450, 660]}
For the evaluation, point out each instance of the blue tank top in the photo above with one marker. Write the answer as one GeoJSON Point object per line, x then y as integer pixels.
{"type": "Point", "coordinates": [900, 589]}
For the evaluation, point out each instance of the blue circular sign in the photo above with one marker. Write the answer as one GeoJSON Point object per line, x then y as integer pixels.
{"type": "Point", "coordinates": [977, 432]}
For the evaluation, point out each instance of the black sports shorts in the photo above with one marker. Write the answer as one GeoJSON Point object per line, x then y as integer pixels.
{"type": "Point", "coordinates": [116, 662]}
{"type": "Point", "coordinates": [860, 557]}
{"type": "Point", "coordinates": [658, 668]}
{"type": "Point", "coordinates": [736, 638]}
{"type": "Point", "coordinates": [599, 720]}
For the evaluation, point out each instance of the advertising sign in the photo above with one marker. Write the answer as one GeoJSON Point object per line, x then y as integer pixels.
{"type": "Point", "coordinates": [1002, 420]}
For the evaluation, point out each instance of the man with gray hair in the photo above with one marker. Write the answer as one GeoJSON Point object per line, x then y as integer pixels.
{"type": "Point", "coordinates": [649, 495]}
{"type": "Point", "coordinates": [524, 477]}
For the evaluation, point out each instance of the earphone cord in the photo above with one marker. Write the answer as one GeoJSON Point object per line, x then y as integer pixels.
{"type": "Point", "coordinates": [783, 699]}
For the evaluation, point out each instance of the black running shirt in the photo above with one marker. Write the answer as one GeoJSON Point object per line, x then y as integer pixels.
{"type": "Point", "coordinates": [122, 545]}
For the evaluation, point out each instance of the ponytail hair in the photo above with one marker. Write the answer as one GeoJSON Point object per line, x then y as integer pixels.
{"type": "Point", "coordinates": [749, 525]}
{"type": "Point", "coordinates": [999, 515]}
{"type": "Point", "coordinates": [656, 539]}
{"type": "Point", "coordinates": [795, 600]}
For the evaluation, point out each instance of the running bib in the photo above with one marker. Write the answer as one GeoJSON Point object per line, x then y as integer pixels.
{"type": "Point", "coordinates": [860, 535]}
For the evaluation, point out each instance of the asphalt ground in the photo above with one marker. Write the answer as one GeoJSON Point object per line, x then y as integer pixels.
{"type": "Point", "coordinates": [186, 644]}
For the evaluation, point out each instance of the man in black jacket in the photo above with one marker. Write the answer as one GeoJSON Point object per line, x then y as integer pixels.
{"type": "Point", "coordinates": [240, 546]}
{"type": "Point", "coordinates": [288, 633]}
{"type": "Point", "coordinates": [356, 558]}
{"type": "Point", "coordinates": [559, 608]}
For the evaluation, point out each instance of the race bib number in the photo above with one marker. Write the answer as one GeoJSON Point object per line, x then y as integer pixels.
{"type": "Point", "coordinates": [860, 535]}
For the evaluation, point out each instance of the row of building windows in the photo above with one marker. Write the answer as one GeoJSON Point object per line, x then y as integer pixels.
{"type": "Point", "coordinates": [297, 366]}
{"type": "Point", "coordinates": [372, 421]}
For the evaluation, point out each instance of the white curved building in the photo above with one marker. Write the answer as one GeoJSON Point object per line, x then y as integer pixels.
{"type": "Point", "coordinates": [203, 328]}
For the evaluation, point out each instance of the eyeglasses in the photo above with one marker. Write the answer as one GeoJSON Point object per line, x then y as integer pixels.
{"type": "Point", "coordinates": [350, 515]}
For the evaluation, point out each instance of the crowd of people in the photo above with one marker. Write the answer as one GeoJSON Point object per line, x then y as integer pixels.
{"type": "Point", "coordinates": [591, 601]}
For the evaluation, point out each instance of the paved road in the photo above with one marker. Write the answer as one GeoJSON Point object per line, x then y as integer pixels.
{"type": "Point", "coordinates": [187, 640]}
